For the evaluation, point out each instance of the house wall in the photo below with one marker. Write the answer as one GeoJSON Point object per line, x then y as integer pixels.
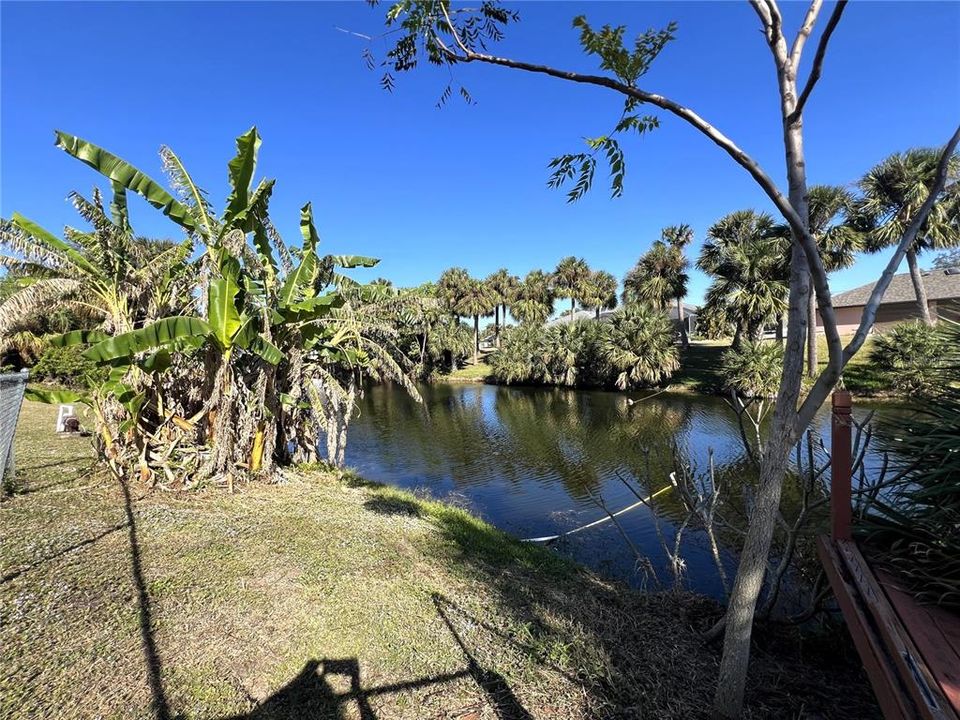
{"type": "Point", "coordinates": [889, 314]}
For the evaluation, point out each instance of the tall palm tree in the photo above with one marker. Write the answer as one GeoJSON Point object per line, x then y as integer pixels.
{"type": "Point", "coordinates": [660, 275]}
{"type": "Point", "coordinates": [477, 300]}
{"type": "Point", "coordinates": [451, 289]}
{"type": "Point", "coordinates": [599, 291]}
{"type": "Point", "coordinates": [892, 192]}
{"type": "Point", "coordinates": [533, 300]}
{"type": "Point", "coordinates": [571, 272]}
{"type": "Point", "coordinates": [502, 286]}
{"type": "Point", "coordinates": [747, 255]}
{"type": "Point", "coordinates": [829, 207]}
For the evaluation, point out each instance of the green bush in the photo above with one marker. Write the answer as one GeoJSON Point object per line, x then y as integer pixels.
{"type": "Point", "coordinates": [753, 370]}
{"type": "Point", "coordinates": [909, 357]}
{"type": "Point", "coordinates": [66, 366]}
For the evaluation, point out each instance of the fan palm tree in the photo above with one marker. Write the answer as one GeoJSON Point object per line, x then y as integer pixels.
{"type": "Point", "coordinates": [570, 274]}
{"type": "Point", "coordinates": [477, 300]}
{"type": "Point", "coordinates": [533, 300]}
{"type": "Point", "coordinates": [451, 288]}
{"type": "Point", "coordinates": [660, 275]}
{"type": "Point", "coordinates": [502, 286]}
{"type": "Point", "coordinates": [599, 291]}
{"type": "Point", "coordinates": [892, 192]}
{"type": "Point", "coordinates": [829, 206]}
{"type": "Point", "coordinates": [639, 346]}
{"type": "Point", "coordinates": [748, 258]}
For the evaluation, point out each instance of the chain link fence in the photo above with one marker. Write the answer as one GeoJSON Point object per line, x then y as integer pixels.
{"type": "Point", "coordinates": [12, 386]}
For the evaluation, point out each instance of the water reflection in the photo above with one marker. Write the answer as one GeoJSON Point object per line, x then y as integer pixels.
{"type": "Point", "coordinates": [529, 460]}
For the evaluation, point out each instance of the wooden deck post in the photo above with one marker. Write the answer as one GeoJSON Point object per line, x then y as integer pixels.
{"type": "Point", "coordinates": [841, 466]}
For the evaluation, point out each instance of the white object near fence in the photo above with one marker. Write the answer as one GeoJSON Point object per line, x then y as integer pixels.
{"type": "Point", "coordinates": [66, 411]}
{"type": "Point", "coordinates": [12, 386]}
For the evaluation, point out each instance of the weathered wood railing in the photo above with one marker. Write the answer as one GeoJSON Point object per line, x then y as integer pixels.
{"type": "Point", "coordinates": [911, 652]}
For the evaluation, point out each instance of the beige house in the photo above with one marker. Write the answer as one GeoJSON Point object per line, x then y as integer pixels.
{"type": "Point", "coordinates": [900, 301]}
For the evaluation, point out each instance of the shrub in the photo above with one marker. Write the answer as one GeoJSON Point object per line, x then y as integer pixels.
{"type": "Point", "coordinates": [909, 356]}
{"type": "Point", "coordinates": [639, 346]}
{"type": "Point", "coordinates": [753, 370]}
{"type": "Point", "coordinates": [66, 366]}
{"type": "Point", "coordinates": [520, 358]}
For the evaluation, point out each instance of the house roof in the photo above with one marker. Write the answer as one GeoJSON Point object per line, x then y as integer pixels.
{"type": "Point", "coordinates": [581, 314]}
{"type": "Point", "coordinates": [939, 284]}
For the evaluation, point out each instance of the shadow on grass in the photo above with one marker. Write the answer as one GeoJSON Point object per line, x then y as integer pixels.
{"type": "Point", "coordinates": [76, 546]}
{"type": "Point", "coordinates": [161, 707]}
{"type": "Point", "coordinates": [392, 506]}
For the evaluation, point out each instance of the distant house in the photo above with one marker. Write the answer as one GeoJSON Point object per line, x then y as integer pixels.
{"type": "Point", "coordinates": [900, 300]}
{"type": "Point", "coordinates": [689, 316]}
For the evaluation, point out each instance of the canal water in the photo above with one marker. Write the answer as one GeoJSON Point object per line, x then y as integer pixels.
{"type": "Point", "coordinates": [541, 461]}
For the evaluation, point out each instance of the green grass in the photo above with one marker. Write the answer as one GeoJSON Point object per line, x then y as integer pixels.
{"type": "Point", "coordinates": [469, 373]}
{"type": "Point", "coordinates": [329, 597]}
{"type": "Point", "coordinates": [700, 367]}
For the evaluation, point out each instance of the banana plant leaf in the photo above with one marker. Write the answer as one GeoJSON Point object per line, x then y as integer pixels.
{"type": "Point", "coordinates": [76, 337]}
{"type": "Point", "coordinates": [225, 319]}
{"type": "Point", "coordinates": [47, 238]}
{"type": "Point", "coordinates": [241, 170]}
{"type": "Point", "coordinates": [128, 176]}
{"type": "Point", "coordinates": [165, 332]}
{"type": "Point", "coordinates": [353, 261]}
{"type": "Point", "coordinates": [55, 397]}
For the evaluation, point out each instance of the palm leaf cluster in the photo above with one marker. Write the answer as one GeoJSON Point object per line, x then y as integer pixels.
{"type": "Point", "coordinates": [227, 355]}
{"type": "Point", "coordinates": [914, 527]}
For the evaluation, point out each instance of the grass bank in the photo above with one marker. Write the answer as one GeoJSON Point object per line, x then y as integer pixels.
{"type": "Point", "coordinates": [332, 598]}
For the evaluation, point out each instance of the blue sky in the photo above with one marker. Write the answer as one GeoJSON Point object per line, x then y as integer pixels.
{"type": "Point", "coordinates": [392, 176]}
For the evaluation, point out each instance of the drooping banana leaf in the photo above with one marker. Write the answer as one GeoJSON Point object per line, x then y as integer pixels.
{"type": "Point", "coordinates": [266, 350]}
{"type": "Point", "coordinates": [167, 331]}
{"type": "Point", "coordinates": [56, 244]}
{"type": "Point", "coordinates": [224, 317]}
{"type": "Point", "coordinates": [156, 362]}
{"type": "Point", "coordinates": [241, 170]}
{"type": "Point", "coordinates": [312, 308]}
{"type": "Point", "coordinates": [76, 337]}
{"type": "Point", "coordinates": [128, 176]}
{"type": "Point", "coordinates": [118, 206]}
{"type": "Point", "coordinates": [54, 397]}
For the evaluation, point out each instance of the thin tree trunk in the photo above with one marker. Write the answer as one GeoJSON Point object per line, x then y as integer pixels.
{"type": "Point", "coordinates": [572, 305]}
{"type": "Point", "coordinates": [496, 325]}
{"type": "Point", "coordinates": [780, 329]}
{"type": "Point", "coordinates": [684, 340]}
{"type": "Point", "coordinates": [812, 335]}
{"type": "Point", "coordinates": [731, 683]}
{"type": "Point", "coordinates": [918, 287]}
{"type": "Point", "coordinates": [598, 313]}
{"type": "Point", "coordinates": [476, 339]}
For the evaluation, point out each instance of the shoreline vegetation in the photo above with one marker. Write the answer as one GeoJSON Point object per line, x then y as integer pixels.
{"type": "Point", "coordinates": [329, 596]}
{"type": "Point", "coordinates": [700, 366]}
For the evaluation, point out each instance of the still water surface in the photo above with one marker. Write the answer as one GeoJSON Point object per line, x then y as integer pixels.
{"type": "Point", "coordinates": [534, 461]}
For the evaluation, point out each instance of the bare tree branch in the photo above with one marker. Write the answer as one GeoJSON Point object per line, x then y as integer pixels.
{"type": "Point", "coordinates": [803, 34]}
{"type": "Point", "coordinates": [817, 69]}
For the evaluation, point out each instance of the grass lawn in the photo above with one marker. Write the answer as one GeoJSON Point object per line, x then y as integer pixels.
{"type": "Point", "coordinates": [469, 373]}
{"type": "Point", "coordinates": [700, 367]}
{"type": "Point", "coordinates": [331, 598]}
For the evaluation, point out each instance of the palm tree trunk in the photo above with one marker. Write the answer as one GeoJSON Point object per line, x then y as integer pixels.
{"type": "Point", "coordinates": [476, 339]}
{"type": "Point", "coordinates": [496, 325]}
{"type": "Point", "coordinates": [572, 305]}
{"type": "Point", "coordinates": [684, 340]}
{"type": "Point", "coordinates": [598, 313]}
{"type": "Point", "coordinates": [918, 287]}
{"type": "Point", "coordinates": [812, 335]}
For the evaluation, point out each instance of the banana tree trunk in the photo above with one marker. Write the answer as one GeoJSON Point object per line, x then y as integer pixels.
{"type": "Point", "coordinates": [918, 287]}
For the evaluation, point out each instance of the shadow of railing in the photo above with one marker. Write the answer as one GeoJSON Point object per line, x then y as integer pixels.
{"type": "Point", "coordinates": [161, 707]}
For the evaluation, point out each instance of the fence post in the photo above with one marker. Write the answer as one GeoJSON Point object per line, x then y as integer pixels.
{"type": "Point", "coordinates": [840, 467]}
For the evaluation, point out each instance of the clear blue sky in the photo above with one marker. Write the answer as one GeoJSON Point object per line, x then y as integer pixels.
{"type": "Point", "coordinates": [392, 176]}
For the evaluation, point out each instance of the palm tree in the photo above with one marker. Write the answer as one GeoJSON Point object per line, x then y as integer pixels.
{"type": "Point", "coordinates": [747, 255]}
{"type": "Point", "coordinates": [892, 192]}
{"type": "Point", "coordinates": [533, 301]}
{"type": "Point", "coordinates": [639, 346]}
{"type": "Point", "coordinates": [451, 289]}
{"type": "Point", "coordinates": [599, 291]}
{"type": "Point", "coordinates": [477, 300]}
{"type": "Point", "coordinates": [571, 272]}
{"type": "Point", "coordinates": [502, 285]}
{"type": "Point", "coordinates": [660, 275]}
{"type": "Point", "coordinates": [829, 206]}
